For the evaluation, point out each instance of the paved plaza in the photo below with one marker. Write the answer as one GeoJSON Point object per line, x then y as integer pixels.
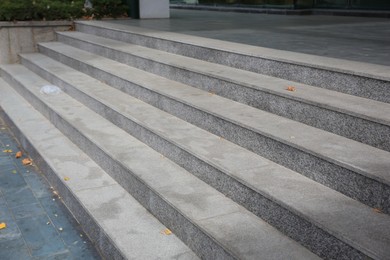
{"type": "Point", "coordinates": [352, 38]}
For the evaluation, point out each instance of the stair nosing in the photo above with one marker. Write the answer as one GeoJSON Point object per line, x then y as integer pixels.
{"type": "Point", "coordinates": [238, 207]}
{"type": "Point", "coordinates": [288, 142]}
{"type": "Point", "coordinates": [256, 87]}
{"type": "Point", "coordinates": [239, 47]}
{"type": "Point", "coordinates": [308, 217]}
{"type": "Point", "coordinates": [45, 159]}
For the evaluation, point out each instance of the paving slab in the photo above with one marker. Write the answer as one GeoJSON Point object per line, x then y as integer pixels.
{"type": "Point", "coordinates": [361, 39]}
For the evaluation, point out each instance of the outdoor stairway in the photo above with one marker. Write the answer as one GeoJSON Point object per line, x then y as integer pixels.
{"type": "Point", "coordinates": [159, 130]}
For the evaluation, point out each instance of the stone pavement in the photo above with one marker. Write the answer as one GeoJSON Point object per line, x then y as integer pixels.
{"type": "Point", "coordinates": [352, 38]}
{"type": "Point", "coordinates": [38, 226]}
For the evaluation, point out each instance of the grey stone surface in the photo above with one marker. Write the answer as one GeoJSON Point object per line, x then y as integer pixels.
{"type": "Point", "coordinates": [354, 169]}
{"type": "Point", "coordinates": [22, 37]}
{"type": "Point", "coordinates": [258, 184]}
{"type": "Point", "coordinates": [360, 79]}
{"type": "Point", "coordinates": [96, 135]}
{"type": "Point", "coordinates": [149, 9]}
{"type": "Point", "coordinates": [104, 217]}
{"type": "Point", "coordinates": [356, 118]}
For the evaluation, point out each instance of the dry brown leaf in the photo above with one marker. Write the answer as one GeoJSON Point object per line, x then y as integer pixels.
{"type": "Point", "coordinates": [7, 151]}
{"type": "Point", "coordinates": [377, 210]}
{"type": "Point", "coordinates": [211, 93]}
{"type": "Point", "coordinates": [291, 88]}
{"type": "Point", "coordinates": [3, 225]}
{"type": "Point", "coordinates": [26, 161]}
{"type": "Point", "coordinates": [166, 232]}
{"type": "Point", "coordinates": [18, 155]}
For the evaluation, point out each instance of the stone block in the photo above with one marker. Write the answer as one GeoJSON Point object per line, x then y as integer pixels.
{"type": "Point", "coordinates": [153, 9]}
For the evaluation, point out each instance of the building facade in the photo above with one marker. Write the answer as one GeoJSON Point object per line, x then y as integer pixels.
{"type": "Point", "coordinates": [338, 4]}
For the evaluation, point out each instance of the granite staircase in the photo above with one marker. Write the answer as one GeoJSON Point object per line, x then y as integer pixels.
{"type": "Point", "coordinates": [242, 152]}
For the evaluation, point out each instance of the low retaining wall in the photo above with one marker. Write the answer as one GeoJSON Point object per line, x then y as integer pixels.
{"type": "Point", "coordinates": [17, 37]}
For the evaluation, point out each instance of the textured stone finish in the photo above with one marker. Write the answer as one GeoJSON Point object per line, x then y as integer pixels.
{"type": "Point", "coordinates": [216, 116]}
{"type": "Point", "coordinates": [141, 171]}
{"type": "Point", "coordinates": [282, 64]}
{"type": "Point", "coordinates": [328, 110]}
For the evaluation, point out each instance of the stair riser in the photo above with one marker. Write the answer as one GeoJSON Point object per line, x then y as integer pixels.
{"type": "Point", "coordinates": [359, 129]}
{"type": "Point", "coordinates": [94, 231]}
{"type": "Point", "coordinates": [306, 233]}
{"type": "Point", "coordinates": [354, 185]}
{"type": "Point", "coordinates": [192, 235]}
{"type": "Point", "coordinates": [376, 89]}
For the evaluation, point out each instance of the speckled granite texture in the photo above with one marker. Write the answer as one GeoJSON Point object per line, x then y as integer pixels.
{"type": "Point", "coordinates": [327, 118]}
{"type": "Point", "coordinates": [376, 89]}
{"type": "Point", "coordinates": [346, 181]}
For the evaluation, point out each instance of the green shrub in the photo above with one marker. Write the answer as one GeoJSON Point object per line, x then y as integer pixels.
{"type": "Point", "coordinates": [108, 8]}
{"type": "Point", "coordinates": [40, 9]}
{"type": "Point", "coordinates": [25, 10]}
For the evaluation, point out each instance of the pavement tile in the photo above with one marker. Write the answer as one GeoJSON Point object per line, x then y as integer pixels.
{"type": "Point", "coordinates": [38, 185]}
{"type": "Point", "coordinates": [11, 180]}
{"type": "Point", "coordinates": [19, 195]}
{"type": "Point", "coordinates": [12, 231]}
{"type": "Point", "coordinates": [14, 249]}
{"type": "Point", "coordinates": [27, 210]}
{"type": "Point", "coordinates": [41, 238]}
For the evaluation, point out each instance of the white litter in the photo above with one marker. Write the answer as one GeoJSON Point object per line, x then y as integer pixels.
{"type": "Point", "coordinates": [50, 90]}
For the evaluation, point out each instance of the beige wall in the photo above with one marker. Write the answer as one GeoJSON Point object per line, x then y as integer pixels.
{"type": "Point", "coordinates": [22, 37]}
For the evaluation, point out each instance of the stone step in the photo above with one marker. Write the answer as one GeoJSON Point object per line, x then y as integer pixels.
{"type": "Point", "coordinates": [105, 218]}
{"type": "Point", "coordinates": [270, 191]}
{"type": "Point", "coordinates": [212, 225]}
{"type": "Point", "coordinates": [355, 78]}
{"type": "Point", "coordinates": [360, 119]}
{"type": "Point", "coordinates": [357, 170]}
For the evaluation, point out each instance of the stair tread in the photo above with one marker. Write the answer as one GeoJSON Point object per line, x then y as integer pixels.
{"type": "Point", "coordinates": [358, 157]}
{"type": "Point", "coordinates": [350, 220]}
{"type": "Point", "coordinates": [86, 179]}
{"type": "Point", "coordinates": [332, 64]}
{"type": "Point", "coordinates": [249, 236]}
{"type": "Point", "coordinates": [352, 105]}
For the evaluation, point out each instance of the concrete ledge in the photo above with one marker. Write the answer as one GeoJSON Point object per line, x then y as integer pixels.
{"type": "Point", "coordinates": [17, 37]}
{"type": "Point", "coordinates": [285, 11]}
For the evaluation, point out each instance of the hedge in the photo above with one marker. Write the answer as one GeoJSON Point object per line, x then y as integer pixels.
{"type": "Point", "coordinates": [25, 10]}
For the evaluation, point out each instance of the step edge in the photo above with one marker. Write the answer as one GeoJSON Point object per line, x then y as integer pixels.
{"type": "Point", "coordinates": [257, 51]}
{"type": "Point", "coordinates": [332, 107]}
{"type": "Point", "coordinates": [194, 223]}
{"type": "Point", "coordinates": [285, 141]}
{"type": "Point", "coordinates": [282, 204]}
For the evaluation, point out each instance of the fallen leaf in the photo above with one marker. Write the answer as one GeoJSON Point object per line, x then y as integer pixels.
{"type": "Point", "coordinates": [211, 93]}
{"type": "Point", "coordinates": [66, 178]}
{"type": "Point", "coordinates": [291, 88]}
{"type": "Point", "coordinates": [377, 210]}
{"type": "Point", "coordinates": [7, 151]}
{"type": "Point", "coordinates": [3, 225]}
{"type": "Point", "coordinates": [26, 161]}
{"type": "Point", "coordinates": [18, 155]}
{"type": "Point", "coordinates": [14, 171]}
{"type": "Point", "coordinates": [166, 232]}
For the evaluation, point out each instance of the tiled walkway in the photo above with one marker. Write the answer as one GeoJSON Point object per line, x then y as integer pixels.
{"type": "Point", "coordinates": [38, 226]}
{"type": "Point", "coordinates": [362, 39]}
